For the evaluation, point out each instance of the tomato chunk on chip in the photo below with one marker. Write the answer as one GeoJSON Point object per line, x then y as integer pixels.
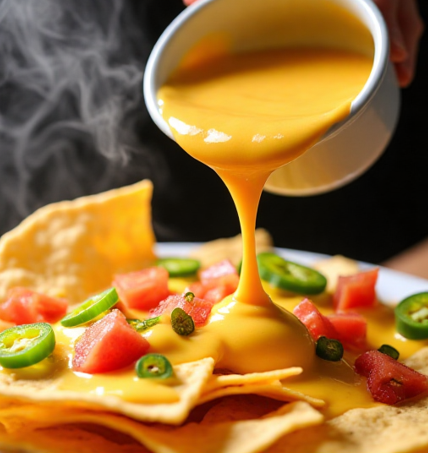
{"type": "Point", "coordinates": [317, 324]}
{"type": "Point", "coordinates": [143, 289]}
{"type": "Point", "coordinates": [24, 306]}
{"type": "Point", "coordinates": [198, 309]}
{"type": "Point", "coordinates": [356, 290]}
{"type": "Point", "coordinates": [389, 381]}
{"type": "Point", "coordinates": [108, 345]}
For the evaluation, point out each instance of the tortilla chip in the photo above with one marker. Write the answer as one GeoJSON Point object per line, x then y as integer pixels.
{"type": "Point", "coordinates": [240, 407]}
{"type": "Point", "coordinates": [225, 380]}
{"type": "Point", "coordinates": [231, 248]}
{"type": "Point", "coordinates": [265, 384]}
{"type": "Point", "coordinates": [381, 429]}
{"type": "Point", "coordinates": [419, 361]}
{"type": "Point", "coordinates": [191, 378]}
{"type": "Point", "coordinates": [274, 389]}
{"type": "Point", "coordinates": [73, 248]}
{"type": "Point", "coordinates": [334, 267]}
{"type": "Point", "coordinates": [224, 437]}
{"type": "Point", "coordinates": [70, 439]}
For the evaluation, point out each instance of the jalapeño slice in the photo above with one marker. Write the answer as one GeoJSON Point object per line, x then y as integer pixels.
{"type": "Point", "coordinates": [142, 325]}
{"type": "Point", "coordinates": [91, 308]}
{"type": "Point", "coordinates": [288, 275]}
{"type": "Point", "coordinates": [181, 322]}
{"type": "Point", "coordinates": [26, 345]}
{"type": "Point", "coordinates": [389, 350]}
{"type": "Point", "coordinates": [411, 317]}
{"type": "Point", "coordinates": [179, 267]}
{"type": "Point", "coordinates": [153, 366]}
{"type": "Point", "coordinates": [329, 349]}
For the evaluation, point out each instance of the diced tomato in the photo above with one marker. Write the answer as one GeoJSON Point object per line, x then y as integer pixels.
{"type": "Point", "coordinates": [217, 282]}
{"type": "Point", "coordinates": [108, 345]}
{"type": "Point", "coordinates": [220, 269]}
{"type": "Point", "coordinates": [143, 289]}
{"type": "Point", "coordinates": [215, 290]}
{"type": "Point", "coordinates": [198, 289]}
{"type": "Point", "coordinates": [218, 293]}
{"type": "Point", "coordinates": [356, 290]}
{"type": "Point", "coordinates": [317, 324]}
{"type": "Point", "coordinates": [24, 306]}
{"type": "Point", "coordinates": [198, 309]}
{"type": "Point", "coordinates": [351, 329]}
{"type": "Point", "coordinates": [389, 381]}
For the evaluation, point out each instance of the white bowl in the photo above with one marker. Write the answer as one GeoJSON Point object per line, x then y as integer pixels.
{"type": "Point", "coordinates": [348, 148]}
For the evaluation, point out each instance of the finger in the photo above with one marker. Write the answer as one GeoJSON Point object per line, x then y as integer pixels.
{"type": "Point", "coordinates": [389, 10]}
{"type": "Point", "coordinates": [412, 27]}
{"type": "Point", "coordinates": [189, 2]}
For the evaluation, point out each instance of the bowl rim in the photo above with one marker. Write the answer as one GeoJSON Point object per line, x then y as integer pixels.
{"type": "Point", "coordinates": [368, 13]}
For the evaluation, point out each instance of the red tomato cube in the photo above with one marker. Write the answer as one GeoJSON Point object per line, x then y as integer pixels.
{"type": "Point", "coordinates": [108, 345]}
{"type": "Point", "coordinates": [220, 269]}
{"type": "Point", "coordinates": [198, 309]}
{"type": "Point", "coordinates": [215, 291]}
{"type": "Point", "coordinates": [143, 289]}
{"type": "Point", "coordinates": [317, 324]}
{"type": "Point", "coordinates": [24, 306]}
{"type": "Point", "coordinates": [217, 282]}
{"type": "Point", "coordinates": [351, 329]}
{"type": "Point", "coordinates": [356, 290]}
{"type": "Point", "coordinates": [389, 381]}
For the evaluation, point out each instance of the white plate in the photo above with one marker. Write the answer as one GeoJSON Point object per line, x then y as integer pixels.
{"type": "Point", "coordinates": [392, 286]}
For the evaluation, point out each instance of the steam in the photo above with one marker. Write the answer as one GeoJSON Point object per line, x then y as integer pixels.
{"type": "Point", "coordinates": [70, 101]}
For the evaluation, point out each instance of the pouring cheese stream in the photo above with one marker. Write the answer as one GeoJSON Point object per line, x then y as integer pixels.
{"type": "Point", "coordinates": [245, 115]}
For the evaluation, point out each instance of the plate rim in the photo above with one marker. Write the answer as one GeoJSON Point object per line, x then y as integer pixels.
{"type": "Point", "coordinates": [392, 286]}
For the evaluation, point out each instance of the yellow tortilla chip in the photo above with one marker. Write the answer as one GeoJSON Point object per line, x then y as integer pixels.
{"type": "Point", "coordinates": [71, 249]}
{"type": "Point", "coordinates": [247, 436]}
{"type": "Point", "coordinates": [265, 384]}
{"type": "Point", "coordinates": [225, 380]}
{"type": "Point", "coordinates": [274, 389]}
{"type": "Point", "coordinates": [240, 407]}
{"type": "Point", "coordinates": [69, 439]}
{"type": "Point", "coordinates": [191, 377]}
{"type": "Point", "coordinates": [381, 429]}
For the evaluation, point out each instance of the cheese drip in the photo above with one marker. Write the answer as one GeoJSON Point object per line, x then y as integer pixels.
{"type": "Point", "coordinates": [245, 115]}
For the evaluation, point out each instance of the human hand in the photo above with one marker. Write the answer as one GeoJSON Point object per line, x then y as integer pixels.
{"type": "Point", "coordinates": [405, 27]}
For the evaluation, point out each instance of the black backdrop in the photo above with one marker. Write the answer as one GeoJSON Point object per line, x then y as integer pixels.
{"type": "Point", "coordinates": [371, 219]}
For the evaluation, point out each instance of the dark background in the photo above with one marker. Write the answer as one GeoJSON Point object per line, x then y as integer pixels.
{"type": "Point", "coordinates": [371, 219]}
